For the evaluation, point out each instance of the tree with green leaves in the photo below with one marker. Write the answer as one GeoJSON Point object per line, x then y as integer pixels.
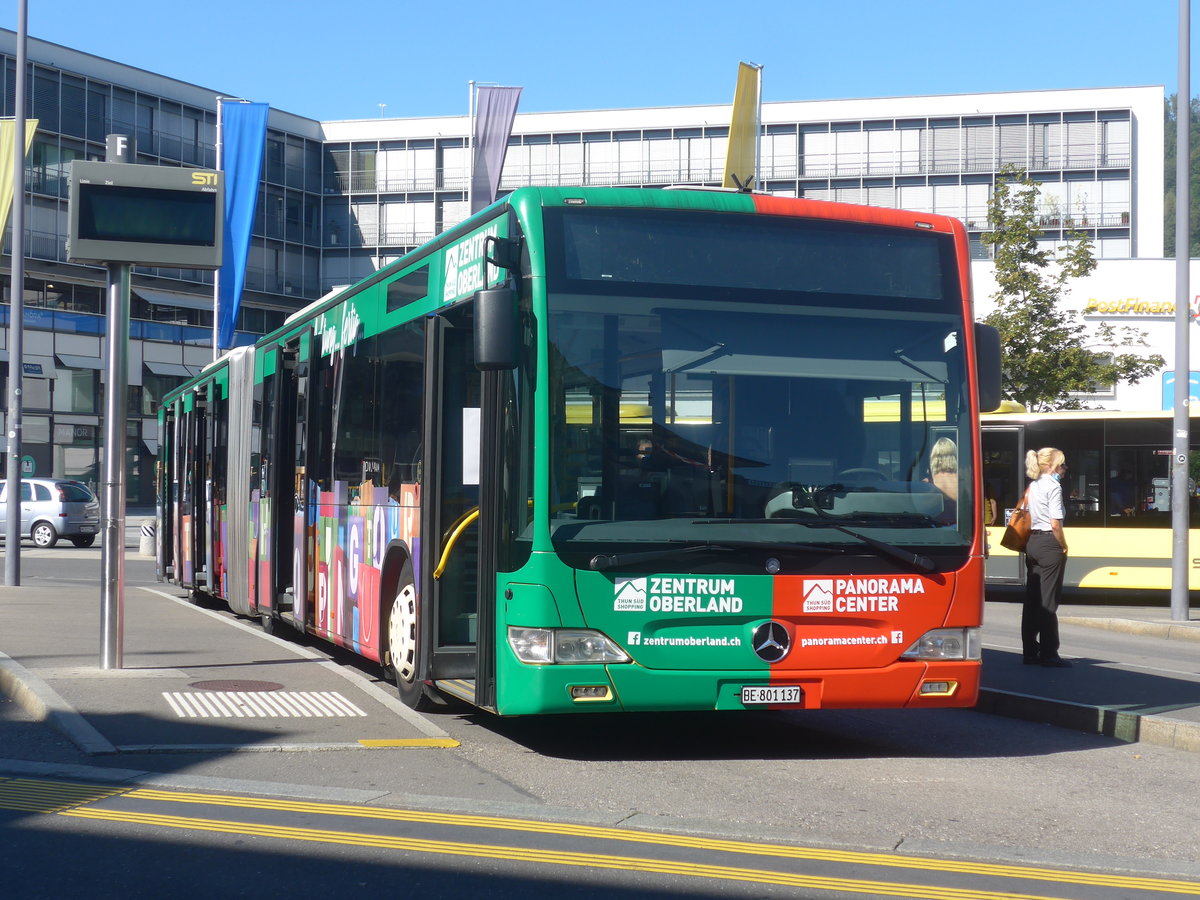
{"type": "Point", "coordinates": [1048, 351]}
{"type": "Point", "coordinates": [1169, 180]}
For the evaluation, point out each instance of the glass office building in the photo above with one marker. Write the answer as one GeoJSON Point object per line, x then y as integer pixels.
{"type": "Point", "coordinates": [338, 199]}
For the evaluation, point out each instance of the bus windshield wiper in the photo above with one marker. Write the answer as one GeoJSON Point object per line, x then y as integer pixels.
{"type": "Point", "coordinates": [859, 520]}
{"type": "Point", "coordinates": [916, 560]}
{"type": "Point", "coordinates": [907, 557]}
{"type": "Point", "coordinates": [917, 519]}
{"type": "Point", "coordinates": [603, 561]}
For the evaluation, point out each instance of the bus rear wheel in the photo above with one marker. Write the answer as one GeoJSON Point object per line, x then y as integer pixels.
{"type": "Point", "coordinates": [405, 652]}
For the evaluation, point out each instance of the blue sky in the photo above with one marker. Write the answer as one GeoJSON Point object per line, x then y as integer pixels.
{"type": "Point", "coordinates": [342, 60]}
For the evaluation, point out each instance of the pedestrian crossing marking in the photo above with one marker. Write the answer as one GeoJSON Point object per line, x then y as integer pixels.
{"type": "Point", "coordinates": [260, 705]}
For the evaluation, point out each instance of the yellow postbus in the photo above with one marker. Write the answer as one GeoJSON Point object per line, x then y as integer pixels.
{"type": "Point", "coordinates": [1117, 494]}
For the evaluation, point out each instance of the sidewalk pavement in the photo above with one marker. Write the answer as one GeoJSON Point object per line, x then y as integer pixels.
{"type": "Point", "coordinates": [191, 679]}
{"type": "Point", "coordinates": [1135, 672]}
{"type": "Point", "coordinates": [195, 680]}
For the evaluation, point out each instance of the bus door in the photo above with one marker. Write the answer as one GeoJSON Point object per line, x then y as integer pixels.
{"type": "Point", "coordinates": [1004, 479]}
{"type": "Point", "coordinates": [208, 498]}
{"type": "Point", "coordinates": [192, 512]}
{"type": "Point", "coordinates": [167, 501]}
{"type": "Point", "coordinates": [453, 577]}
{"type": "Point", "coordinates": [286, 450]}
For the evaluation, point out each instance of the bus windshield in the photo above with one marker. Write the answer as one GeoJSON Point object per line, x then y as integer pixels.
{"type": "Point", "coordinates": [773, 381]}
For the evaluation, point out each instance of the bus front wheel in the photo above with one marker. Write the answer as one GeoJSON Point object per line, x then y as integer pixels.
{"type": "Point", "coordinates": [404, 644]}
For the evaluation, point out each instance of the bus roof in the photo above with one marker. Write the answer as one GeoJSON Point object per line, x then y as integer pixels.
{"type": "Point", "coordinates": [679, 197]}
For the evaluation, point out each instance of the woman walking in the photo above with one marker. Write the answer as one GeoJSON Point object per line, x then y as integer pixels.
{"type": "Point", "coordinates": [1045, 557]}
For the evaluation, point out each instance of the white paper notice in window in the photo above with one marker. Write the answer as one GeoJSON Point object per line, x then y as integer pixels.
{"type": "Point", "coordinates": [470, 445]}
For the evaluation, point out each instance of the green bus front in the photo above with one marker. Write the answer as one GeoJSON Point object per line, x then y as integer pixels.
{"type": "Point", "coordinates": [707, 484]}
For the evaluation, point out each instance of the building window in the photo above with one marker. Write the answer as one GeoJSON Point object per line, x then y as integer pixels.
{"type": "Point", "coordinates": [76, 390]}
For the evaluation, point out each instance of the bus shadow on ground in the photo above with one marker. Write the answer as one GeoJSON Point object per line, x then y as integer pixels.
{"type": "Point", "coordinates": [1089, 702]}
{"type": "Point", "coordinates": [784, 735]}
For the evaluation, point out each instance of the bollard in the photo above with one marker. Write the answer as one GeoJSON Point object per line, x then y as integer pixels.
{"type": "Point", "coordinates": [146, 546]}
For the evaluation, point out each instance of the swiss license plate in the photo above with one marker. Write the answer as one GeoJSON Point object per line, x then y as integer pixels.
{"type": "Point", "coordinates": [87, 529]}
{"type": "Point", "coordinates": [775, 693]}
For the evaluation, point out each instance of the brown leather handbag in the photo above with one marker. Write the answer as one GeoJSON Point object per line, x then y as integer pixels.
{"type": "Point", "coordinates": [1016, 533]}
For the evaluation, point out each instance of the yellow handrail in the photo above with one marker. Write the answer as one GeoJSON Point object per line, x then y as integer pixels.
{"type": "Point", "coordinates": [458, 528]}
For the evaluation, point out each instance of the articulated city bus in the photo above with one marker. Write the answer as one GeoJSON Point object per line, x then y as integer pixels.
{"type": "Point", "coordinates": [613, 449]}
{"type": "Point", "coordinates": [1117, 492]}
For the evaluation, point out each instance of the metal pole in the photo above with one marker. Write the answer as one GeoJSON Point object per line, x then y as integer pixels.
{"type": "Point", "coordinates": [758, 179]}
{"type": "Point", "coordinates": [470, 143]}
{"type": "Point", "coordinates": [118, 149]}
{"type": "Point", "coordinates": [216, 333]}
{"type": "Point", "coordinates": [112, 525]}
{"type": "Point", "coordinates": [1180, 500]}
{"type": "Point", "coordinates": [16, 325]}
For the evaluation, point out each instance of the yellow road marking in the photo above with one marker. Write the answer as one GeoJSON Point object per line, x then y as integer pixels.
{"type": "Point", "coordinates": [409, 742]}
{"type": "Point", "coordinates": [854, 857]}
{"type": "Point", "coordinates": [559, 857]}
{"type": "Point", "coordinates": [29, 795]}
{"type": "Point", "coordinates": [71, 799]}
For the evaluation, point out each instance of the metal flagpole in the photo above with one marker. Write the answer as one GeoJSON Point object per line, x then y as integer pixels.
{"type": "Point", "coordinates": [216, 332]}
{"type": "Point", "coordinates": [758, 134]}
{"type": "Point", "coordinates": [16, 327]}
{"type": "Point", "coordinates": [470, 143]}
{"type": "Point", "coordinates": [1180, 500]}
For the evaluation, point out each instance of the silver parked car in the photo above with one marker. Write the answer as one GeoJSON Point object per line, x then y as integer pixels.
{"type": "Point", "coordinates": [52, 508]}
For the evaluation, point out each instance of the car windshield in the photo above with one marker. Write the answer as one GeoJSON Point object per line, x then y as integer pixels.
{"type": "Point", "coordinates": [691, 416]}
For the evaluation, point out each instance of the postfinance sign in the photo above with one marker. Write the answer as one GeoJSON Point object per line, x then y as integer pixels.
{"type": "Point", "coordinates": [466, 270]}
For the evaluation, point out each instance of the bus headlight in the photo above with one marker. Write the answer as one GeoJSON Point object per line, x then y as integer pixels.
{"type": "Point", "coordinates": [563, 645]}
{"type": "Point", "coordinates": [946, 643]}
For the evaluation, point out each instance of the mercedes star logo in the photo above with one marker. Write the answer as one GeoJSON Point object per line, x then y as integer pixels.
{"type": "Point", "coordinates": [771, 642]}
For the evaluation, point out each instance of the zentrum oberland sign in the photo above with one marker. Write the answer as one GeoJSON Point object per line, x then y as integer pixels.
{"type": "Point", "coordinates": [147, 215]}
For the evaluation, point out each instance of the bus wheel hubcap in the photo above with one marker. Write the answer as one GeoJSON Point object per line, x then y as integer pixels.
{"type": "Point", "coordinates": [402, 633]}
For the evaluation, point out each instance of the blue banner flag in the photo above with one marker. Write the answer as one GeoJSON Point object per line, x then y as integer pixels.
{"type": "Point", "coordinates": [494, 114]}
{"type": "Point", "coordinates": [243, 138]}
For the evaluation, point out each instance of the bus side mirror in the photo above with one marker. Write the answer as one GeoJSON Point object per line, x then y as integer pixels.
{"type": "Point", "coordinates": [987, 367]}
{"type": "Point", "coordinates": [496, 329]}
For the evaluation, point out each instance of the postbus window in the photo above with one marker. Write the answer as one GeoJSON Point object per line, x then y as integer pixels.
{"type": "Point", "coordinates": [1083, 486]}
{"type": "Point", "coordinates": [1138, 488]}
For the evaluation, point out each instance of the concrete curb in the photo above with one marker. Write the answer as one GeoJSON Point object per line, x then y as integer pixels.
{"type": "Point", "coordinates": [38, 699]}
{"type": "Point", "coordinates": [1176, 631]}
{"type": "Point", "coordinates": [1122, 725]}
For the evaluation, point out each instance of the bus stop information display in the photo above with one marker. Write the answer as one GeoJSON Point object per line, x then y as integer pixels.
{"type": "Point", "coordinates": [145, 215]}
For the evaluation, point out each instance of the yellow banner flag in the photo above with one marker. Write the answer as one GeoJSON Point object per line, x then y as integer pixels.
{"type": "Point", "coordinates": [8, 139]}
{"type": "Point", "coordinates": [741, 157]}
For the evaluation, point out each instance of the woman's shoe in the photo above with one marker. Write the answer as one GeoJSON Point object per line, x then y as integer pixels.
{"type": "Point", "coordinates": [1055, 662]}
